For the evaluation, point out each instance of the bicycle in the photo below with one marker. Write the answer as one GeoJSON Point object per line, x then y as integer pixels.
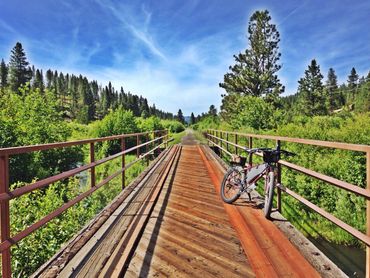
{"type": "Point", "coordinates": [242, 177]}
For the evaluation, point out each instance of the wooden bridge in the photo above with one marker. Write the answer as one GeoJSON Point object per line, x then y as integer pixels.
{"type": "Point", "coordinates": [171, 222]}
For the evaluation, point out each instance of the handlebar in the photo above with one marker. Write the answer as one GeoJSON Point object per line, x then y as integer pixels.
{"type": "Point", "coordinates": [256, 150]}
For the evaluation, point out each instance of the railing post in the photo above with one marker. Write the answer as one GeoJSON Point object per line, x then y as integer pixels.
{"type": "Point", "coordinates": [123, 148]}
{"type": "Point", "coordinates": [92, 159]}
{"type": "Point", "coordinates": [137, 144]}
{"type": "Point", "coordinates": [220, 143]}
{"type": "Point", "coordinates": [227, 139]}
{"type": "Point", "coordinates": [4, 216]}
{"type": "Point", "coordinates": [207, 131]}
{"type": "Point", "coordinates": [368, 214]}
{"type": "Point", "coordinates": [147, 148]}
{"type": "Point", "coordinates": [236, 142]}
{"type": "Point", "coordinates": [278, 179]}
{"type": "Point", "coordinates": [153, 143]}
{"type": "Point", "coordinates": [250, 145]}
{"type": "Point", "coordinates": [165, 138]}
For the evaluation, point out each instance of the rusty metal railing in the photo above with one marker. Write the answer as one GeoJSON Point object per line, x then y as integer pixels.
{"type": "Point", "coordinates": [160, 138]}
{"type": "Point", "coordinates": [216, 138]}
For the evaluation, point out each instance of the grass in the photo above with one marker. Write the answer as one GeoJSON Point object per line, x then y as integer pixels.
{"type": "Point", "coordinates": [177, 137]}
{"type": "Point", "coordinates": [199, 136]}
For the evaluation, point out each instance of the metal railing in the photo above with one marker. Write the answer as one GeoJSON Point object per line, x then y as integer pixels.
{"type": "Point", "coordinates": [160, 138]}
{"type": "Point", "coordinates": [220, 139]}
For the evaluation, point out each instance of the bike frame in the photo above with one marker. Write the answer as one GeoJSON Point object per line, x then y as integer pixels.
{"type": "Point", "coordinates": [248, 168]}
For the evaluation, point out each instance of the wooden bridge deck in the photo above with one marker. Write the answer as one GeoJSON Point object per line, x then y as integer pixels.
{"type": "Point", "coordinates": [173, 224]}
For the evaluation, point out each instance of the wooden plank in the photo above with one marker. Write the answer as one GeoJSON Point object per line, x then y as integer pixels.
{"type": "Point", "coordinates": [189, 232]}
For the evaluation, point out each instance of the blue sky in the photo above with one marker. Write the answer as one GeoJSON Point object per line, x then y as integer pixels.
{"type": "Point", "coordinates": [176, 52]}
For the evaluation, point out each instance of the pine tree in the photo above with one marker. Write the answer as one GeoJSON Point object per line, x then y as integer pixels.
{"type": "Point", "coordinates": [19, 72]}
{"type": "Point", "coordinates": [331, 90]}
{"type": "Point", "coordinates": [49, 78]}
{"type": "Point", "coordinates": [180, 117]}
{"type": "Point", "coordinates": [192, 118]}
{"type": "Point", "coordinates": [3, 75]}
{"type": "Point", "coordinates": [310, 91]}
{"type": "Point", "coordinates": [212, 111]}
{"type": "Point", "coordinates": [352, 79]}
{"type": "Point", "coordinates": [38, 81]}
{"type": "Point", "coordinates": [255, 70]}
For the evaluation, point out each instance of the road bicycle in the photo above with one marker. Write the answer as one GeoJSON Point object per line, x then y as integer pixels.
{"type": "Point", "coordinates": [242, 177]}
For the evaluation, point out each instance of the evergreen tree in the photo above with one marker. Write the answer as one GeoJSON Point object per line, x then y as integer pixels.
{"type": "Point", "coordinates": [180, 117]}
{"type": "Point", "coordinates": [144, 107]}
{"type": "Point", "coordinates": [310, 91]}
{"type": "Point", "coordinates": [352, 79]}
{"type": "Point", "coordinates": [19, 72]}
{"type": "Point", "coordinates": [38, 81]}
{"type": "Point", "coordinates": [212, 111]}
{"type": "Point", "coordinates": [331, 89]}
{"type": "Point", "coordinates": [255, 70]}
{"type": "Point", "coordinates": [3, 75]}
{"type": "Point", "coordinates": [49, 78]}
{"type": "Point", "coordinates": [192, 118]}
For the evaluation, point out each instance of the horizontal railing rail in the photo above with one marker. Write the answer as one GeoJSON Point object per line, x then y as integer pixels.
{"type": "Point", "coordinates": [42, 147]}
{"type": "Point", "coordinates": [6, 195]}
{"type": "Point", "coordinates": [220, 139]}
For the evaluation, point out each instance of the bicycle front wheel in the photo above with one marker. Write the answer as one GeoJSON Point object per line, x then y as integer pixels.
{"type": "Point", "coordinates": [232, 184]}
{"type": "Point", "coordinates": [269, 193]}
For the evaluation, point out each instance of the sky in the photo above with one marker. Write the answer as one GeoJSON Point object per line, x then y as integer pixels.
{"type": "Point", "coordinates": [175, 53]}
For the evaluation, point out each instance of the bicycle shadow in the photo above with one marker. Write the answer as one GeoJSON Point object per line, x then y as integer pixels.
{"type": "Point", "coordinates": [257, 202]}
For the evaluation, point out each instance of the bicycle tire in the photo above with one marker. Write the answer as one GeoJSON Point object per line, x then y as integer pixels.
{"type": "Point", "coordinates": [237, 171]}
{"type": "Point", "coordinates": [269, 194]}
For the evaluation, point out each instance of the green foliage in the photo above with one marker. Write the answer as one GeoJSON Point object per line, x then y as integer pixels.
{"type": "Point", "coordinates": [253, 112]}
{"type": "Point", "coordinates": [116, 122]}
{"type": "Point", "coordinates": [173, 126]}
{"type": "Point", "coordinates": [33, 119]}
{"type": "Point", "coordinates": [344, 165]}
{"type": "Point", "coordinates": [207, 122]}
{"type": "Point", "coordinates": [31, 252]}
{"type": "Point", "coordinates": [149, 124]}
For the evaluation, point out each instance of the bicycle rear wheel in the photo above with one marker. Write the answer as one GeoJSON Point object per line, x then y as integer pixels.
{"type": "Point", "coordinates": [269, 193]}
{"type": "Point", "coordinates": [232, 184]}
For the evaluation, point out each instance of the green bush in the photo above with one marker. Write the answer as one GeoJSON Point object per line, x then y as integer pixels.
{"type": "Point", "coordinates": [173, 126]}
{"type": "Point", "coordinates": [117, 122]}
{"type": "Point", "coordinates": [29, 119]}
{"type": "Point", "coordinates": [149, 124]}
{"type": "Point", "coordinates": [32, 251]}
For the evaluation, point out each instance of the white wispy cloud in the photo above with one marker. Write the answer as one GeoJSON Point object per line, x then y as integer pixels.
{"type": "Point", "coordinates": [139, 31]}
